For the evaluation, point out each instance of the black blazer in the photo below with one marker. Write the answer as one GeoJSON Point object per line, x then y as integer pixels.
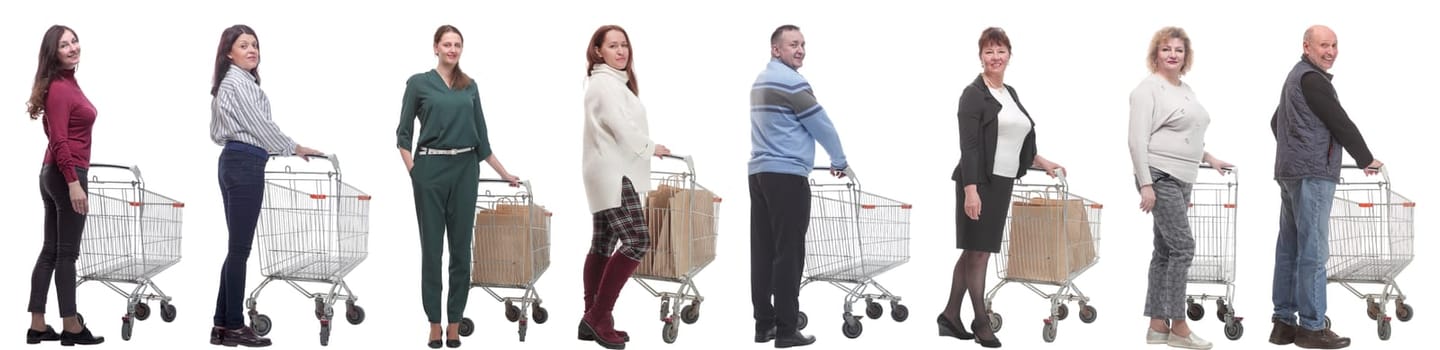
{"type": "Point", "coordinates": [978, 112]}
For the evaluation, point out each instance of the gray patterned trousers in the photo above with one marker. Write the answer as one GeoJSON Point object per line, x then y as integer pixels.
{"type": "Point", "coordinates": [1174, 247]}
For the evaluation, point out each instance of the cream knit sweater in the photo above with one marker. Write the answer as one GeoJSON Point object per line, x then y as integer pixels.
{"type": "Point", "coordinates": [1167, 130]}
{"type": "Point", "coordinates": [617, 138]}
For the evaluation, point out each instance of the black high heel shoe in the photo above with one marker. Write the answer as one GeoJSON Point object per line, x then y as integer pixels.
{"type": "Point", "coordinates": [993, 342]}
{"type": "Point", "coordinates": [948, 329]}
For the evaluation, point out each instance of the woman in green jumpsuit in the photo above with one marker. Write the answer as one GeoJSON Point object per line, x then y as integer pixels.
{"type": "Point", "coordinates": [445, 172]}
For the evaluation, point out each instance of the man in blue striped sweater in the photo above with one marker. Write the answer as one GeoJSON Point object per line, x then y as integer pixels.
{"type": "Point", "coordinates": [786, 122]}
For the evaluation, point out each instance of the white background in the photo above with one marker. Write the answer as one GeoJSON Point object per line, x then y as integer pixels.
{"type": "Point", "coordinates": [890, 76]}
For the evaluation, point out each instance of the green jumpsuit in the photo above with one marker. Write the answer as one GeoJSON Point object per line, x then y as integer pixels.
{"type": "Point", "coordinates": [445, 185]}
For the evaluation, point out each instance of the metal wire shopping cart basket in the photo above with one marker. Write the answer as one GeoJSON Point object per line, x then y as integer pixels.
{"type": "Point", "coordinates": [684, 219]}
{"type": "Point", "coordinates": [1372, 240]}
{"type": "Point", "coordinates": [1212, 210]}
{"type": "Point", "coordinates": [131, 235]}
{"type": "Point", "coordinates": [511, 251]}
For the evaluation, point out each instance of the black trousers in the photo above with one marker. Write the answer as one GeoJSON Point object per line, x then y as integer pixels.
{"type": "Point", "coordinates": [63, 227]}
{"type": "Point", "coordinates": [779, 219]}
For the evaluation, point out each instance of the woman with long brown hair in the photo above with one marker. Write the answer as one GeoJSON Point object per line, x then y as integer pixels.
{"type": "Point", "coordinates": [67, 118]}
{"type": "Point", "coordinates": [616, 162]}
{"type": "Point", "coordinates": [453, 141]}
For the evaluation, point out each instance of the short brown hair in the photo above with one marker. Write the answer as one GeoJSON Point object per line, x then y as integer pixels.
{"type": "Point", "coordinates": [1161, 36]}
{"type": "Point", "coordinates": [994, 36]}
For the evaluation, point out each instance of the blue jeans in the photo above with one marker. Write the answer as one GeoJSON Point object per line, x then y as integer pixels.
{"type": "Point", "coordinates": [1301, 250]}
{"type": "Point", "coordinates": [242, 185]}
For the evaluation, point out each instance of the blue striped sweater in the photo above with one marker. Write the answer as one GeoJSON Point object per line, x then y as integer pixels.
{"type": "Point", "coordinates": [786, 122]}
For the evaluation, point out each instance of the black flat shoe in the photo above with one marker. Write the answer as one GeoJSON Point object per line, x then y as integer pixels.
{"type": "Point", "coordinates": [435, 344]}
{"type": "Point", "coordinates": [948, 329]}
{"type": "Point", "coordinates": [82, 338]}
{"type": "Point", "coordinates": [215, 335]}
{"type": "Point", "coordinates": [767, 335]}
{"type": "Point", "coordinates": [243, 336]}
{"type": "Point", "coordinates": [793, 339]}
{"type": "Point", "coordinates": [35, 337]}
{"type": "Point", "coordinates": [452, 343]}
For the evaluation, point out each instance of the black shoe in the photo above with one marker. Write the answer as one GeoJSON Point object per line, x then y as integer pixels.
{"type": "Point", "coordinates": [452, 343]}
{"type": "Point", "coordinates": [215, 335]}
{"type": "Point", "coordinates": [948, 329]}
{"type": "Point", "coordinates": [35, 337]}
{"type": "Point", "coordinates": [435, 344]}
{"type": "Point", "coordinates": [793, 339]}
{"type": "Point", "coordinates": [767, 335]}
{"type": "Point", "coordinates": [82, 338]}
{"type": "Point", "coordinates": [243, 336]}
{"type": "Point", "coordinates": [993, 342]}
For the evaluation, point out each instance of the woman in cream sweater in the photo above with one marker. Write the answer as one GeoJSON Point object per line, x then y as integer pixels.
{"type": "Point", "coordinates": [616, 162]}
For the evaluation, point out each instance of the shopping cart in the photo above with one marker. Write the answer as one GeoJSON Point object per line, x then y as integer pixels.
{"type": "Point", "coordinates": [131, 235]}
{"type": "Point", "coordinates": [1212, 211]}
{"type": "Point", "coordinates": [313, 228]}
{"type": "Point", "coordinates": [511, 251]}
{"type": "Point", "coordinates": [683, 218]}
{"type": "Point", "coordinates": [1051, 237]}
{"type": "Point", "coordinates": [854, 237]}
{"type": "Point", "coordinates": [1372, 239]}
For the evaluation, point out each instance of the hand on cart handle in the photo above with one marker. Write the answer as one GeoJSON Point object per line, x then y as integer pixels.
{"type": "Point", "coordinates": [512, 179]}
{"type": "Point", "coordinates": [1374, 167]}
{"type": "Point", "coordinates": [661, 151]}
{"type": "Point", "coordinates": [1220, 166]}
{"type": "Point", "coordinates": [1050, 168]}
{"type": "Point", "coordinates": [306, 152]}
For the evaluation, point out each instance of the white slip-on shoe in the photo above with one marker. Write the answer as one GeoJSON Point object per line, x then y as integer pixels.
{"type": "Point", "coordinates": [1153, 337]}
{"type": "Point", "coordinates": [1191, 342]}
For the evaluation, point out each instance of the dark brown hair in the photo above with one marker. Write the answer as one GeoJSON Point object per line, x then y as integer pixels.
{"type": "Point", "coordinates": [458, 79]}
{"type": "Point", "coordinates": [48, 68]}
{"type": "Point", "coordinates": [592, 57]}
{"type": "Point", "coordinates": [994, 36]}
{"type": "Point", "coordinates": [222, 55]}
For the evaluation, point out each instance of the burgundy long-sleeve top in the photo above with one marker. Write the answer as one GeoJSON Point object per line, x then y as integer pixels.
{"type": "Point", "coordinates": [69, 117]}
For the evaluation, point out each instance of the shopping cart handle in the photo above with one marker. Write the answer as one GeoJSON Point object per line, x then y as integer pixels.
{"type": "Point", "coordinates": [334, 159]}
{"type": "Point", "coordinates": [134, 169]}
{"type": "Point", "coordinates": [1353, 166]}
{"type": "Point", "coordinates": [1204, 165]}
{"type": "Point", "coordinates": [523, 183]}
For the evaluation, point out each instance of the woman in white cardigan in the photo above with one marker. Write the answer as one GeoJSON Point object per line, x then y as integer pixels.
{"type": "Point", "coordinates": [616, 162]}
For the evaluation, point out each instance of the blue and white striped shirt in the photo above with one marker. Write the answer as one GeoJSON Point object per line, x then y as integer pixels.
{"type": "Point", "coordinates": [240, 112]}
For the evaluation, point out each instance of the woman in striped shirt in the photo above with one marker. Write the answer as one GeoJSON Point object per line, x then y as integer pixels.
{"type": "Point", "coordinates": [240, 121]}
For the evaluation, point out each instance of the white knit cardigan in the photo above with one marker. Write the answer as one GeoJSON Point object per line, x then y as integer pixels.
{"type": "Point", "coordinates": [617, 138]}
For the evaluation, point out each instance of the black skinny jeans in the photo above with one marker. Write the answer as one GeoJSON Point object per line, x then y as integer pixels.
{"type": "Point", "coordinates": [63, 228]}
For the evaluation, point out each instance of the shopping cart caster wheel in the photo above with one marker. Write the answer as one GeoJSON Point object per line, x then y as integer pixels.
{"type": "Point", "coordinates": [1384, 329]}
{"type": "Point", "coordinates": [324, 333]}
{"type": "Point", "coordinates": [1088, 314]}
{"type": "Point", "coordinates": [167, 312]}
{"type": "Point", "coordinates": [670, 332]}
{"type": "Point", "coordinates": [852, 328]}
{"type": "Point", "coordinates": [127, 326]}
{"type": "Point", "coordinates": [142, 311]}
{"type": "Point", "coordinates": [995, 322]}
{"type": "Point", "coordinates": [354, 314]}
{"type": "Point", "coordinates": [1234, 330]}
{"type": "Point", "coordinates": [689, 314]}
{"type": "Point", "coordinates": [1195, 311]}
{"type": "Point", "coordinates": [512, 313]}
{"type": "Point", "coordinates": [1404, 312]}
{"type": "Point", "coordinates": [261, 324]}
{"type": "Point", "coordinates": [1062, 312]}
{"type": "Point", "coordinates": [1372, 309]}
{"type": "Point", "coordinates": [1049, 332]}
{"type": "Point", "coordinates": [874, 310]}
{"type": "Point", "coordinates": [899, 313]}
{"type": "Point", "coordinates": [540, 315]}
{"type": "Point", "coordinates": [1221, 309]}
{"type": "Point", "coordinates": [802, 321]}
{"type": "Point", "coordinates": [467, 327]}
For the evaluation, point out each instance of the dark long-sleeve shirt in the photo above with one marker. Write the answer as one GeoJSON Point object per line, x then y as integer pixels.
{"type": "Point", "coordinates": [449, 119]}
{"type": "Point", "coordinates": [1320, 96]}
{"type": "Point", "coordinates": [69, 117]}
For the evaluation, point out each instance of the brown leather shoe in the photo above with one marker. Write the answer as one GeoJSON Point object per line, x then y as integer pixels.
{"type": "Point", "coordinates": [1282, 333]}
{"type": "Point", "coordinates": [1321, 339]}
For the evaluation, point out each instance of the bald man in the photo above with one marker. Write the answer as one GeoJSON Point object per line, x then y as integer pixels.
{"type": "Point", "coordinates": [1310, 130]}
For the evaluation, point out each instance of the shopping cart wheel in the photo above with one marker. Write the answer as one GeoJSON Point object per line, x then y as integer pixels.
{"type": "Point", "coordinates": [1404, 312]}
{"type": "Point", "coordinates": [142, 311]}
{"type": "Point", "coordinates": [1234, 330]}
{"type": "Point", "coordinates": [802, 321]}
{"type": "Point", "coordinates": [1221, 309]}
{"type": "Point", "coordinates": [1195, 311]}
{"type": "Point", "coordinates": [1372, 309]}
{"type": "Point", "coordinates": [996, 321]}
{"type": "Point", "coordinates": [670, 332]}
{"type": "Point", "coordinates": [324, 332]}
{"type": "Point", "coordinates": [899, 312]}
{"type": "Point", "coordinates": [1049, 332]}
{"type": "Point", "coordinates": [690, 313]}
{"type": "Point", "coordinates": [1088, 314]}
{"type": "Point", "coordinates": [873, 310]}
{"type": "Point", "coordinates": [1384, 329]}
{"type": "Point", "coordinates": [354, 314]}
{"type": "Point", "coordinates": [167, 312]}
{"type": "Point", "coordinates": [852, 327]}
{"type": "Point", "coordinates": [467, 327]}
{"type": "Point", "coordinates": [539, 314]}
{"type": "Point", "coordinates": [261, 324]}
{"type": "Point", "coordinates": [512, 313]}
{"type": "Point", "coordinates": [1062, 312]}
{"type": "Point", "coordinates": [127, 325]}
{"type": "Point", "coordinates": [319, 308]}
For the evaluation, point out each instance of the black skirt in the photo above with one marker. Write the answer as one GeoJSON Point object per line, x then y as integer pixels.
{"type": "Point", "coordinates": [985, 234]}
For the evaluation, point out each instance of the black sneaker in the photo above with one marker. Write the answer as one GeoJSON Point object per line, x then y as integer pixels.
{"type": "Point", "coordinates": [82, 338]}
{"type": "Point", "coordinates": [35, 337]}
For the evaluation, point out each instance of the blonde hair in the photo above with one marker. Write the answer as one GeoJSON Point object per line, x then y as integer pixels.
{"type": "Point", "coordinates": [1160, 37]}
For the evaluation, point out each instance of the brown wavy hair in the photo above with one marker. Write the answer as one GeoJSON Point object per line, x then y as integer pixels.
{"type": "Point", "coordinates": [457, 78]}
{"type": "Point", "coordinates": [49, 67]}
{"type": "Point", "coordinates": [592, 58]}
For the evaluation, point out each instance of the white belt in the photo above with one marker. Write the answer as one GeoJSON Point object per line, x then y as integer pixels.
{"type": "Point", "coordinates": [443, 152]}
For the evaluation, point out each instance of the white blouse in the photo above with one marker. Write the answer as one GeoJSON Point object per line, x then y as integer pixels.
{"type": "Point", "coordinates": [1013, 126]}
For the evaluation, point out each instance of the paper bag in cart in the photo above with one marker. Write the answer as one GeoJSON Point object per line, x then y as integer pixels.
{"type": "Point", "coordinates": [1037, 249]}
{"type": "Point", "coordinates": [509, 248]}
{"type": "Point", "coordinates": [682, 229]}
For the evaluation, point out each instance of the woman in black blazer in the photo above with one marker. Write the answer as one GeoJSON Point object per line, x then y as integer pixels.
{"type": "Point", "coordinates": [997, 146]}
